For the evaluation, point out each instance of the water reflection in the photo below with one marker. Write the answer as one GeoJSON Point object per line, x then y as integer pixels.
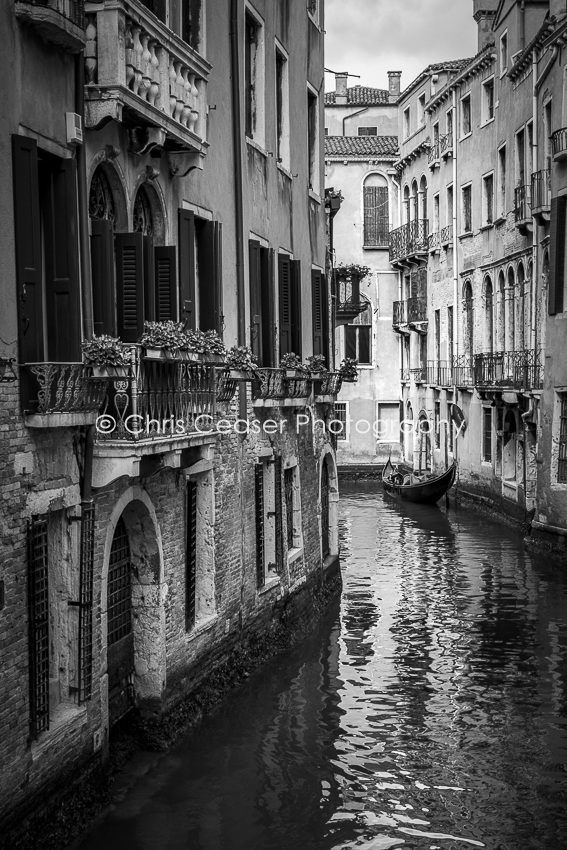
{"type": "Point", "coordinates": [430, 712]}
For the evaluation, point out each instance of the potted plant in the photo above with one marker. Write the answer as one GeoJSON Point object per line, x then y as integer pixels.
{"type": "Point", "coordinates": [108, 356]}
{"type": "Point", "coordinates": [214, 347]}
{"type": "Point", "coordinates": [349, 370]}
{"type": "Point", "coordinates": [318, 371]}
{"type": "Point", "coordinates": [293, 366]}
{"type": "Point", "coordinates": [333, 199]}
{"type": "Point", "coordinates": [164, 340]}
{"type": "Point", "coordinates": [348, 276]}
{"type": "Point", "coordinates": [241, 363]}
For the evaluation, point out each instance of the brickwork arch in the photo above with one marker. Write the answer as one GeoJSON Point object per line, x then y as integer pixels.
{"type": "Point", "coordinates": [328, 457]}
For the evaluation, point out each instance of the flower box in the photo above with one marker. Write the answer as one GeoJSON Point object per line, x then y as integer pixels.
{"type": "Point", "coordinates": [240, 375]}
{"type": "Point", "coordinates": [154, 353]}
{"type": "Point", "coordinates": [213, 358]}
{"type": "Point", "coordinates": [109, 371]}
{"type": "Point", "coordinates": [350, 379]}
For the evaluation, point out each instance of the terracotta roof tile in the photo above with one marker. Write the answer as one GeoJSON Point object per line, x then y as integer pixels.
{"type": "Point", "coordinates": [361, 146]}
{"type": "Point", "coordinates": [360, 96]}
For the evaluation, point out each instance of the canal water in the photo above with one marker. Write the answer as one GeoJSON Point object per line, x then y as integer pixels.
{"type": "Point", "coordinates": [430, 711]}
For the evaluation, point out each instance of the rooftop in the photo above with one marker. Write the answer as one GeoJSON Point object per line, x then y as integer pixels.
{"type": "Point", "coordinates": [360, 96]}
{"type": "Point", "coordinates": [451, 65]}
{"type": "Point", "coordinates": [361, 146]}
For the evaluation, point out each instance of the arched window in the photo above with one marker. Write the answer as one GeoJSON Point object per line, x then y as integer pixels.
{"type": "Point", "coordinates": [101, 200]}
{"type": "Point", "coordinates": [414, 201]}
{"type": "Point", "coordinates": [376, 211]}
{"type": "Point", "coordinates": [501, 319]}
{"type": "Point", "coordinates": [407, 212]}
{"type": "Point", "coordinates": [422, 212]}
{"type": "Point", "coordinates": [488, 315]}
{"type": "Point", "coordinates": [510, 317]}
{"type": "Point", "coordinates": [358, 335]}
{"type": "Point", "coordinates": [519, 303]}
{"type": "Point", "coordinates": [143, 219]}
{"type": "Point", "coordinates": [468, 319]}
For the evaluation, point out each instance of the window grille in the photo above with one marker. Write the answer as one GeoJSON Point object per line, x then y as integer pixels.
{"type": "Point", "coordinates": [437, 415]}
{"type": "Point", "coordinates": [487, 434]}
{"type": "Point", "coordinates": [341, 416]}
{"type": "Point", "coordinates": [119, 608]}
{"type": "Point", "coordinates": [368, 131]}
{"type": "Point", "coordinates": [260, 528]}
{"type": "Point", "coordinates": [325, 509]}
{"type": "Point", "coordinates": [288, 492]}
{"type": "Point", "coordinates": [376, 216]}
{"type": "Point", "coordinates": [562, 464]}
{"type": "Point", "coordinates": [191, 557]}
{"type": "Point", "coordinates": [279, 513]}
{"type": "Point", "coordinates": [38, 599]}
{"type": "Point", "coordinates": [85, 672]}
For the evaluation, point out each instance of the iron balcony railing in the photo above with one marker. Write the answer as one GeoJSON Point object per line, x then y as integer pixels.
{"type": "Point", "coordinates": [447, 234]}
{"type": "Point", "coordinates": [410, 311]}
{"type": "Point", "coordinates": [439, 373]}
{"type": "Point", "coordinates": [419, 374]}
{"type": "Point", "coordinates": [541, 190]}
{"type": "Point", "coordinates": [433, 240]}
{"type": "Point", "coordinates": [73, 10]}
{"type": "Point", "coordinates": [433, 155]}
{"type": "Point", "coordinates": [522, 203]}
{"type": "Point", "coordinates": [418, 231]}
{"type": "Point", "coordinates": [463, 370]}
{"type": "Point", "coordinates": [399, 241]}
{"type": "Point", "coordinates": [559, 143]}
{"type": "Point", "coordinates": [519, 370]}
{"type": "Point", "coordinates": [409, 239]}
{"type": "Point", "coordinates": [329, 383]}
{"type": "Point", "coordinates": [60, 388]}
{"type": "Point", "coordinates": [446, 143]}
{"type": "Point", "coordinates": [273, 383]}
{"type": "Point", "coordinates": [159, 399]}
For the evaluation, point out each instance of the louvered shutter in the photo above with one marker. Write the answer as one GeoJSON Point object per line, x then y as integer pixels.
{"type": "Point", "coordinates": [218, 299]}
{"type": "Point", "coordinates": [62, 269]}
{"type": "Point", "coordinates": [557, 254]}
{"type": "Point", "coordinates": [28, 249]}
{"type": "Point", "coordinates": [102, 272]}
{"type": "Point", "coordinates": [166, 283]}
{"type": "Point", "coordinates": [319, 313]}
{"type": "Point", "coordinates": [210, 308]}
{"type": "Point", "coordinates": [191, 556]}
{"type": "Point", "coordinates": [130, 285]}
{"type": "Point", "coordinates": [350, 342]}
{"type": "Point", "coordinates": [278, 504]}
{"type": "Point", "coordinates": [268, 311]}
{"type": "Point", "coordinates": [295, 267]}
{"type": "Point", "coordinates": [186, 242]}
{"type": "Point", "coordinates": [38, 607]}
{"type": "Point", "coordinates": [255, 294]}
{"type": "Point", "coordinates": [260, 530]}
{"type": "Point", "coordinates": [149, 280]}
{"type": "Point", "coordinates": [285, 299]}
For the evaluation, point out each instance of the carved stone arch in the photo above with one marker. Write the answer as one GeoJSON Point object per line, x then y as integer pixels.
{"type": "Point", "coordinates": [488, 301]}
{"type": "Point", "coordinates": [115, 178]}
{"type": "Point", "coordinates": [328, 457]}
{"type": "Point", "coordinates": [153, 192]}
{"type": "Point", "coordinates": [137, 512]}
{"type": "Point", "coordinates": [468, 317]}
{"type": "Point", "coordinates": [511, 311]}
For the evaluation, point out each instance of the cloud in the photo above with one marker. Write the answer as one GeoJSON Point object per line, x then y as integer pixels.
{"type": "Point", "coordinates": [372, 37]}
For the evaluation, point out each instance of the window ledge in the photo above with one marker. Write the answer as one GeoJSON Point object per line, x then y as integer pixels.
{"type": "Point", "coordinates": [284, 170]}
{"type": "Point", "coordinates": [314, 196]}
{"type": "Point", "coordinates": [486, 227]}
{"type": "Point", "coordinates": [66, 719]}
{"type": "Point", "coordinates": [294, 554]}
{"type": "Point", "coordinates": [314, 21]}
{"type": "Point", "coordinates": [269, 585]}
{"type": "Point", "coordinates": [486, 123]}
{"type": "Point", "coordinates": [256, 145]}
{"type": "Point", "coordinates": [466, 136]}
{"type": "Point", "coordinates": [202, 625]}
{"type": "Point", "coordinates": [500, 220]}
{"type": "Point", "coordinates": [375, 247]}
{"type": "Point", "coordinates": [466, 235]}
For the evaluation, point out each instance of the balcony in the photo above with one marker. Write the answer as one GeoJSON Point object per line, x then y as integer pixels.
{"type": "Point", "coordinates": [446, 145]}
{"type": "Point", "coordinates": [349, 303]}
{"type": "Point", "coordinates": [522, 208]}
{"type": "Point", "coordinates": [559, 144]}
{"type": "Point", "coordinates": [433, 154]}
{"type": "Point", "coordinates": [419, 374]}
{"type": "Point", "coordinates": [541, 195]}
{"type": "Point", "coordinates": [439, 373]}
{"type": "Point", "coordinates": [410, 314]}
{"type": "Point", "coordinates": [60, 395]}
{"type": "Point", "coordinates": [59, 22]}
{"type": "Point", "coordinates": [274, 389]}
{"type": "Point", "coordinates": [328, 387]}
{"type": "Point", "coordinates": [513, 370]}
{"type": "Point", "coordinates": [433, 241]}
{"type": "Point", "coordinates": [410, 241]}
{"type": "Point", "coordinates": [144, 76]}
{"type": "Point", "coordinates": [463, 371]}
{"type": "Point", "coordinates": [447, 235]}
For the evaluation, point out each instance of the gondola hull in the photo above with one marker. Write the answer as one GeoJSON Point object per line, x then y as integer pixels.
{"type": "Point", "coordinates": [425, 492]}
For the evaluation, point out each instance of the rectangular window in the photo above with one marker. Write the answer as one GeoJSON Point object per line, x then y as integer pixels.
{"type": "Point", "coordinates": [261, 281]}
{"type": "Point", "coordinates": [358, 343]}
{"type": "Point", "coordinates": [313, 139]}
{"type": "Point", "coordinates": [290, 495]}
{"type": "Point", "coordinates": [320, 314]}
{"type": "Point", "coordinates": [282, 109]}
{"type": "Point", "coordinates": [260, 528]}
{"type": "Point", "coordinates": [254, 79]}
{"type": "Point", "coordinates": [376, 216]}
{"type": "Point", "coordinates": [421, 109]}
{"type": "Point", "coordinates": [436, 213]}
{"type": "Point", "coordinates": [530, 152]}
{"type": "Point", "coordinates": [199, 551]}
{"type": "Point", "coordinates": [289, 284]}
{"type": "Point", "coordinates": [368, 131]}
{"type": "Point", "coordinates": [503, 52]}
{"type": "Point", "coordinates": [388, 419]}
{"type": "Point", "coordinates": [39, 619]}
{"type": "Point", "coordinates": [449, 427]}
{"type": "Point", "coordinates": [449, 124]}
{"type": "Point", "coordinates": [488, 100]}
{"type": "Point", "coordinates": [562, 461]}
{"type": "Point", "coordinates": [406, 122]}
{"type": "Point", "coordinates": [487, 434]}
{"type": "Point", "coordinates": [449, 205]}
{"type": "Point", "coordinates": [437, 332]}
{"type": "Point", "coordinates": [547, 133]}
{"type": "Point", "coordinates": [341, 416]}
{"type": "Point", "coordinates": [502, 181]}
{"type": "Point", "coordinates": [520, 158]}
{"type": "Point", "coordinates": [437, 423]}
{"type": "Point", "coordinates": [466, 209]}
{"type": "Point", "coordinates": [192, 24]}
{"type": "Point", "coordinates": [191, 556]}
{"type": "Point", "coordinates": [488, 199]}
{"type": "Point", "coordinates": [450, 336]}
{"type": "Point", "coordinates": [466, 125]}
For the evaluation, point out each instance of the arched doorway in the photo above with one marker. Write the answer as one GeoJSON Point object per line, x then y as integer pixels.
{"type": "Point", "coordinates": [325, 538]}
{"type": "Point", "coordinates": [120, 637]}
{"type": "Point", "coordinates": [511, 318]}
{"type": "Point", "coordinates": [424, 437]}
{"type": "Point", "coordinates": [501, 321]}
{"type": "Point", "coordinates": [509, 451]}
{"type": "Point", "coordinates": [468, 319]}
{"type": "Point", "coordinates": [488, 315]}
{"type": "Point", "coordinates": [519, 302]}
{"type": "Point", "coordinates": [329, 502]}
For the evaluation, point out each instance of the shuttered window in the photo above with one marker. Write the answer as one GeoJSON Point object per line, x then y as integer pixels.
{"type": "Point", "coordinates": [86, 582]}
{"type": "Point", "coordinates": [191, 557]}
{"type": "Point", "coordinates": [260, 525]}
{"type": "Point", "coordinates": [209, 259]}
{"type": "Point", "coordinates": [319, 308]}
{"type": "Point", "coordinates": [102, 272]}
{"type": "Point", "coordinates": [557, 254]}
{"type": "Point", "coordinates": [186, 242]}
{"type": "Point", "coordinates": [278, 504]}
{"type": "Point", "coordinates": [166, 283]}
{"type": "Point", "coordinates": [562, 463]}
{"type": "Point", "coordinates": [289, 279]}
{"type": "Point", "coordinates": [376, 216]}
{"type": "Point", "coordinates": [38, 606]}
{"type": "Point", "coordinates": [130, 285]}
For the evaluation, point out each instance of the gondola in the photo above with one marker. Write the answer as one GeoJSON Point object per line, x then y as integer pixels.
{"type": "Point", "coordinates": [425, 488]}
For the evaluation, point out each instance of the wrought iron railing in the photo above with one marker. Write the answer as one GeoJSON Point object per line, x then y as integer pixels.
{"type": "Point", "coordinates": [433, 240]}
{"type": "Point", "coordinates": [409, 239]}
{"type": "Point", "coordinates": [404, 375]}
{"type": "Point", "coordinates": [416, 310]}
{"type": "Point", "coordinates": [60, 388]}
{"type": "Point", "coordinates": [329, 384]}
{"type": "Point", "coordinates": [433, 154]}
{"type": "Point", "coordinates": [559, 143]}
{"type": "Point", "coordinates": [400, 313]}
{"type": "Point", "coordinates": [447, 234]}
{"type": "Point", "coordinates": [439, 373]}
{"type": "Point", "coordinates": [418, 231]}
{"type": "Point", "coordinates": [351, 308]}
{"type": "Point", "coordinates": [73, 10]}
{"type": "Point", "coordinates": [299, 387]}
{"type": "Point", "coordinates": [463, 370]}
{"type": "Point", "coordinates": [419, 374]}
{"type": "Point", "coordinates": [446, 143]}
{"type": "Point", "coordinates": [520, 370]}
{"type": "Point", "coordinates": [160, 399]}
{"type": "Point", "coordinates": [226, 387]}
{"type": "Point", "coordinates": [522, 203]}
{"type": "Point", "coordinates": [399, 240]}
{"type": "Point", "coordinates": [541, 189]}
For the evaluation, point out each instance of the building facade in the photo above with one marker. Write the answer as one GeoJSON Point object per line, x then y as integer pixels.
{"type": "Point", "coordinates": [148, 529]}
{"type": "Point", "coordinates": [361, 147]}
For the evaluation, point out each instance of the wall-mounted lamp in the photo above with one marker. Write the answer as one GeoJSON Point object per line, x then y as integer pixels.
{"type": "Point", "coordinates": [7, 374]}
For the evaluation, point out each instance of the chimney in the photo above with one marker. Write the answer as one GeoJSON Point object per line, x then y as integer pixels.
{"type": "Point", "coordinates": [484, 12]}
{"type": "Point", "coordinates": [394, 78]}
{"type": "Point", "coordinates": [341, 80]}
{"type": "Point", "coordinates": [558, 8]}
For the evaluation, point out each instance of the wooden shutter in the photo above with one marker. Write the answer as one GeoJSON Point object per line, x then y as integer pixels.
{"type": "Point", "coordinates": [191, 556]}
{"type": "Point", "coordinates": [260, 531]}
{"type": "Point", "coordinates": [285, 304]}
{"type": "Point", "coordinates": [295, 267]}
{"type": "Point", "coordinates": [557, 254]}
{"type": "Point", "coordinates": [268, 310]}
{"type": "Point", "coordinates": [102, 270]}
{"type": "Point", "coordinates": [28, 249]}
{"type": "Point", "coordinates": [38, 607]}
{"type": "Point", "coordinates": [130, 285]}
{"type": "Point", "coordinates": [186, 242]}
{"type": "Point", "coordinates": [166, 283]}
{"type": "Point", "coordinates": [350, 342]}
{"type": "Point", "coordinates": [210, 276]}
{"type": "Point", "coordinates": [255, 293]}
{"type": "Point", "coordinates": [319, 313]}
{"type": "Point", "coordinates": [62, 268]}
{"type": "Point", "coordinates": [149, 279]}
{"type": "Point", "coordinates": [376, 221]}
{"type": "Point", "coordinates": [279, 513]}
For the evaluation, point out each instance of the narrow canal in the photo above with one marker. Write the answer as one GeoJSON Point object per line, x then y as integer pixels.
{"type": "Point", "coordinates": [429, 712]}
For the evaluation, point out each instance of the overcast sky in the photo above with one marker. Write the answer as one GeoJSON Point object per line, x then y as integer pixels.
{"type": "Point", "coordinates": [372, 37]}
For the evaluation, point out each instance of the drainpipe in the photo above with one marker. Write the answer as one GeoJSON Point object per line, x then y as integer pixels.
{"type": "Point", "coordinates": [354, 114]}
{"type": "Point", "coordinates": [400, 340]}
{"type": "Point", "coordinates": [535, 227]}
{"type": "Point", "coordinates": [522, 24]}
{"type": "Point", "coordinates": [238, 181]}
{"type": "Point", "coordinates": [455, 239]}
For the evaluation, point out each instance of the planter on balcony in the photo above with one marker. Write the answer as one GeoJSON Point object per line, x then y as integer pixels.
{"type": "Point", "coordinates": [226, 388]}
{"type": "Point", "coordinates": [154, 354]}
{"type": "Point", "coordinates": [559, 144]}
{"type": "Point", "coordinates": [241, 375]}
{"type": "Point", "coordinates": [60, 394]}
{"type": "Point", "coordinates": [213, 358]}
{"type": "Point", "coordinates": [110, 371]}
